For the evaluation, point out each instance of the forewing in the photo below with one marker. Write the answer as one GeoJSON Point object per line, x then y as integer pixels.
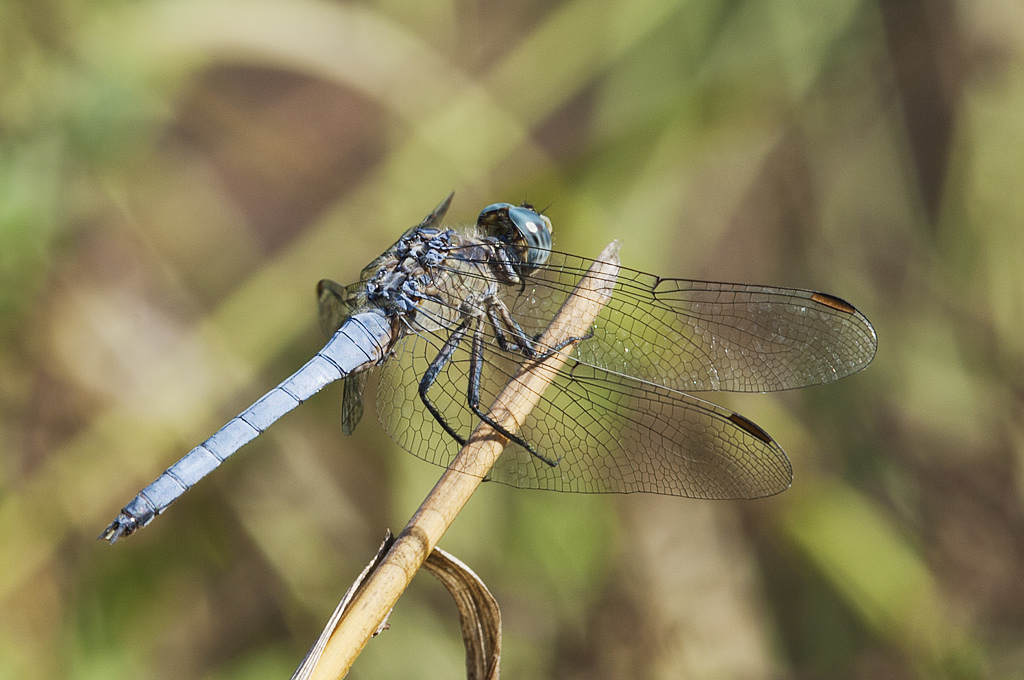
{"type": "Point", "coordinates": [701, 335]}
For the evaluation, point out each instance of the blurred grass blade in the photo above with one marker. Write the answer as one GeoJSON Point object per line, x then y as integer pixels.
{"type": "Point", "coordinates": [878, 573]}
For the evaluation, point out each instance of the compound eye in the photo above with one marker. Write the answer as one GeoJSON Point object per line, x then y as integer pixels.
{"type": "Point", "coordinates": [493, 216]}
{"type": "Point", "coordinates": [527, 221]}
{"type": "Point", "coordinates": [519, 226]}
{"type": "Point", "coordinates": [535, 232]}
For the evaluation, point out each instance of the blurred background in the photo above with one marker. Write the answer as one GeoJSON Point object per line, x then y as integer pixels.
{"type": "Point", "coordinates": [175, 177]}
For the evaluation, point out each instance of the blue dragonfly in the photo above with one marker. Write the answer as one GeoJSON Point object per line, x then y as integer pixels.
{"type": "Point", "coordinates": [449, 316]}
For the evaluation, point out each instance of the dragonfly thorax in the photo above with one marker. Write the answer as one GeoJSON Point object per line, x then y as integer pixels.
{"type": "Point", "coordinates": [404, 272]}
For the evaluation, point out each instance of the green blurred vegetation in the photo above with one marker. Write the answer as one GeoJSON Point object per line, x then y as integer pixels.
{"type": "Point", "coordinates": [176, 176]}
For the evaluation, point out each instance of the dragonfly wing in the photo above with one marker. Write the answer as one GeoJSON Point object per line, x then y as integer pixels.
{"type": "Point", "coordinates": [704, 336]}
{"type": "Point", "coordinates": [698, 336]}
{"type": "Point", "coordinates": [336, 303]}
{"type": "Point", "coordinates": [617, 418]}
{"type": "Point", "coordinates": [615, 434]}
{"type": "Point", "coordinates": [402, 412]}
{"type": "Point", "coordinates": [609, 433]}
{"type": "Point", "coordinates": [434, 218]}
{"type": "Point", "coordinates": [352, 401]}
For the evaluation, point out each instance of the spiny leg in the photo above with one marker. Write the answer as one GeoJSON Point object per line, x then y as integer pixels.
{"type": "Point", "coordinates": [520, 343]}
{"type": "Point", "coordinates": [473, 395]}
{"type": "Point", "coordinates": [434, 369]}
{"type": "Point", "coordinates": [523, 344]}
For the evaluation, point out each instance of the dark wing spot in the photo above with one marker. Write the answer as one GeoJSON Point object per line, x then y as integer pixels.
{"type": "Point", "coordinates": [834, 302]}
{"type": "Point", "coordinates": [750, 427]}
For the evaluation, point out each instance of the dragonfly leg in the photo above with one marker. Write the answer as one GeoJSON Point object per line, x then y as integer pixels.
{"type": "Point", "coordinates": [473, 395]}
{"type": "Point", "coordinates": [435, 367]}
{"type": "Point", "coordinates": [562, 345]}
{"type": "Point", "coordinates": [498, 314]}
{"type": "Point", "coordinates": [521, 343]}
{"type": "Point", "coordinates": [502, 266]}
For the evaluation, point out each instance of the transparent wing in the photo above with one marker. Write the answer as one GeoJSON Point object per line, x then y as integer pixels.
{"type": "Point", "coordinates": [336, 303]}
{"type": "Point", "coordinates": [352, 401]}
{"type": "Point", "coordinates": [617, 418]}
{"type": "Point", "coordinates": [699, 335]}
{"type": "Point", "coordinates": [609, 433]}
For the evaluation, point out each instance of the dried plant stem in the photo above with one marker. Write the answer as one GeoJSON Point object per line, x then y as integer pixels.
{"type": "Point", "coordinates": [383, 587]}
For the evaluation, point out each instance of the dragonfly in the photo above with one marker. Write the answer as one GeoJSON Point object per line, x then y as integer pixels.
{"type": "Point", "coordinates": [449, 316]}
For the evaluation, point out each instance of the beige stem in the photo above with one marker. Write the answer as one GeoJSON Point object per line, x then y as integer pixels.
{"type": "Point", "coordinates": [383, 587]}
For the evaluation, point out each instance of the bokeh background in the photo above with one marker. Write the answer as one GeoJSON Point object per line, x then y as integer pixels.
{"type": "Point", "coordinates": [176, 176]}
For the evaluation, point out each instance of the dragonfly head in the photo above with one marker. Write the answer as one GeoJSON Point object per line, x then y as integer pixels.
{"type": "Point", "coordinates": [521, 227]}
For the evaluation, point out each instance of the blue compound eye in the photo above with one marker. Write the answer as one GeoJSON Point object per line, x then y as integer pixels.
{"type": "Point", "coordinates": [520, 226]}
